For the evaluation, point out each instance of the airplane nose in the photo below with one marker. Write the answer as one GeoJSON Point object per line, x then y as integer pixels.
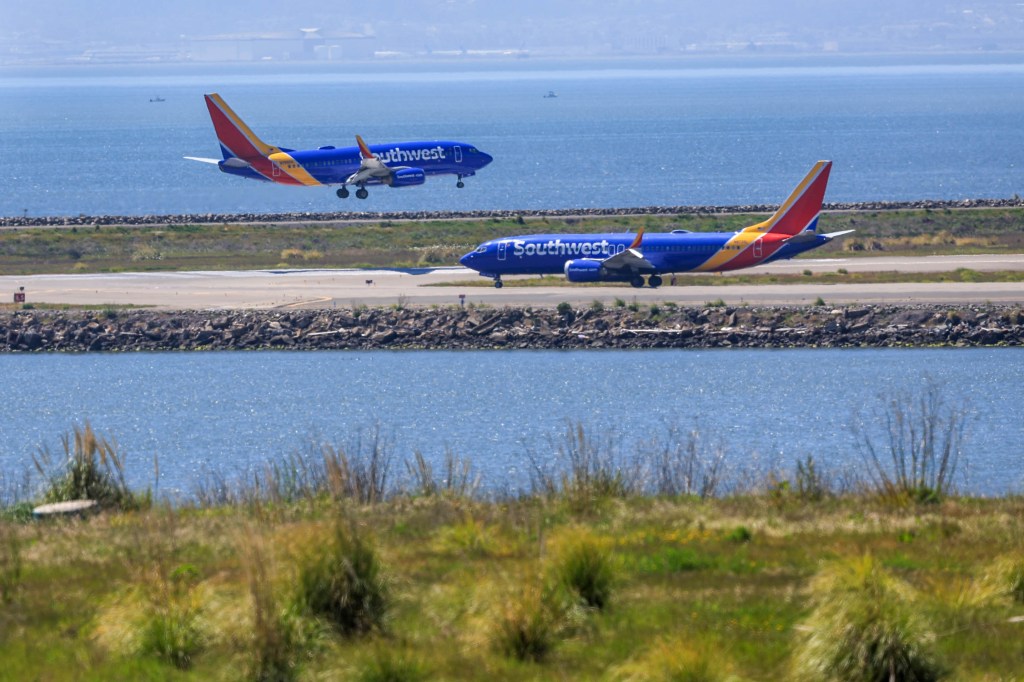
{"type": "Point", "coordinates": [486, 157]}
{"type": "Point", "coordinates": [464, 261]}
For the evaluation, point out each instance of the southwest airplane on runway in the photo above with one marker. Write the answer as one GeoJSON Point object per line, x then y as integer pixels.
{"type": "Point", "coordinates": [629, 258]}
{"type": "Point", "coordinates": [400, 164]}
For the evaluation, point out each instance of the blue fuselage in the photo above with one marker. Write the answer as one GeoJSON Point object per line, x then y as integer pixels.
{"type": "Point", "coordinates": [332, 165]}
{"type": "Point", "coordinates": [547, 254]}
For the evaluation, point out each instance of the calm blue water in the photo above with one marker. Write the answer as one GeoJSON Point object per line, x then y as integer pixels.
{"type": "Point", "coordinates": [230, 412]}
{"type": "Point", "coordinates": [89, 141]}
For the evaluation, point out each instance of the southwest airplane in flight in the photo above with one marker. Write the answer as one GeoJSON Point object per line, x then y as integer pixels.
{"type": "Point", "coordinates": [400, 164]}
{"type": "Point", "coordinates": [626, 257]}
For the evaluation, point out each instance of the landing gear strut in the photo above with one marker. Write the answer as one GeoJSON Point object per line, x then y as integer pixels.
{"type": "Point", "coordinates": [498, 283]}
{"type": "Point", "coordinates": [460, 184]}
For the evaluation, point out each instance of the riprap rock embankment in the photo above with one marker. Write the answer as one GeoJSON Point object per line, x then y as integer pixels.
{"type": "Point", "coordinates": [359, 216]}
{"type": "Point", "coordinates": [479, 328]}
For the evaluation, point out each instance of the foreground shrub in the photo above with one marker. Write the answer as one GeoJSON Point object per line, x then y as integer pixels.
{"type": "Point", "coordinates": [586, 571]}
{"type": "Point", "coordinates": [172, 634]}
{"type": "Point", "coordinates": [1005, 578]}
{"type": "Point", "coordinates": [528, 624]}
{"type": "Point", "coordinates": [864, 627]}
{"type": "Point", "coordinates": [343, 582]}
{"type": "Point", "coordinates": [93, 469]}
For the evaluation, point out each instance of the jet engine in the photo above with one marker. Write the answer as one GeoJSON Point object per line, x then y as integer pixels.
{"type": "Point", "coordinates": [407, 177]}
{"type": "Point", "coordinates": [584, 270]}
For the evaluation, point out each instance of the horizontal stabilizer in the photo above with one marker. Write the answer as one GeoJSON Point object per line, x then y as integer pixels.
{"type": "Point", "coordinates": [833, 235]}
{"type": "Point", "coordinates": [199, 158]}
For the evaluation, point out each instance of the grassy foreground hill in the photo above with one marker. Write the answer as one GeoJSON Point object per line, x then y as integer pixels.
{"type": "Point", "coordinates": [309, 570]}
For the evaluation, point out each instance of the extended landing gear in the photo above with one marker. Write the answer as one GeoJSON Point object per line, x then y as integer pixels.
{"type": "Point", "coordinates": [498, 283]}
{"type": "Point", "coordinates": [654, 281]}
{"type": "Point", "coordinates": [361, 193]}
{"type": "Point", "coordinates": [637, 282]}
{"type": "Point", "coordinates": [460, 184]}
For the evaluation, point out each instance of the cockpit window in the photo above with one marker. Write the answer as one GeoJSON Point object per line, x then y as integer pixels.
{"type": "Point", "coordinates": [481, 249]}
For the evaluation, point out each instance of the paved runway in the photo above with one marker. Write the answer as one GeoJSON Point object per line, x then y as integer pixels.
{"type": "Point", "coordinates": [329, 288]}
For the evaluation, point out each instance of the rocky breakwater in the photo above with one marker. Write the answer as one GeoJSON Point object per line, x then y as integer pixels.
{"type": "Point", "coordinates": [359, 216]}
{"type": "Point", "coordinates": [654, 326]}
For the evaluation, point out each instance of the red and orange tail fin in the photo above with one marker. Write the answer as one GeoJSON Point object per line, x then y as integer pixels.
{"type": "Point", "coordinates": [800, 211]}
{"type": "Point", "coordinates": [638, 240]}
{"type": "Point", "coordinates": [234, 135]}
{"type": "Point", "coordinates": [364, 151]}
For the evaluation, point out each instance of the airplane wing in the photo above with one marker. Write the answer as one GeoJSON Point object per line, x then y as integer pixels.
{"type": "Point", "coordinates": [631, 258]}
{"type": "Point", "coordinates": [370, 167]}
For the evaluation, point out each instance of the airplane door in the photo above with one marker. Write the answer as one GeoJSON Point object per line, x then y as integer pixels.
{"type": "Point", "coordinates": [757, 249]}
{"type": "Point", "coordinates": [458, 154]}
{"type": "Point", "coordinates": [501, 247]}
{"type": "Point", "coordinates": [277, 169]}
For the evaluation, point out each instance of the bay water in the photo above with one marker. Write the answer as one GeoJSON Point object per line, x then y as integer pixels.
{"type": "Point", "coordinates": [88, 140]}
{"type": "Point", "coordinates": [229, 413]}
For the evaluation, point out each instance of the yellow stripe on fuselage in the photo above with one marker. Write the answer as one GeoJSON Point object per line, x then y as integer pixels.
{"type": "Point", "coordinates": [293, 168]}
{"type": "Point", "coordinates": [732, 248]}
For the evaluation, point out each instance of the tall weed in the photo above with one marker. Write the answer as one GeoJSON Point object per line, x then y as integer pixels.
{"type": "Point", "coordinates": [917, 456]}
{"type": "Point", "coordinates": [455, 481]}
{"type": "Point", "coordinates": [10, 561]}
{"type": "Point", "coordinates": [93, 469]}
{"type": "Point", "coordinates": [277, 640]}
{"type": "Point", "coordinates": [585, 470]}
{"type": "Point", "coordinates": [685, 464]}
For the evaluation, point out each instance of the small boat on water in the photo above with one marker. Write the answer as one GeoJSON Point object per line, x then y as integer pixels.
{"type": "Point", "coordinates": [158, 98]}
{"type": "Point", "coordinates": [551, 94]}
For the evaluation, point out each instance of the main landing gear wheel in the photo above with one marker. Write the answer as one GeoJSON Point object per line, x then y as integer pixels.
{"type": "Point", "coordinates": [361, 193]}
{"type": "Point", "coordinates": [654, 281]}
{"type": "Point", "coordinates": [342, 193]}
{"type": "Point", "coordinates": [637, 281]}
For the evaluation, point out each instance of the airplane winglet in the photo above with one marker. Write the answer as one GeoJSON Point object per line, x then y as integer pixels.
{"type": "Point", "coordinates": [639, 238]}
{"type": "Point", "coordinates": [363, 149]}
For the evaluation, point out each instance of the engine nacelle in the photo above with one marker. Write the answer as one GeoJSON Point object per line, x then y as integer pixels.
{"type": "Point", "coordinates": [584, 270]}
{"type": "Point", "coordinates": [408, 177]}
